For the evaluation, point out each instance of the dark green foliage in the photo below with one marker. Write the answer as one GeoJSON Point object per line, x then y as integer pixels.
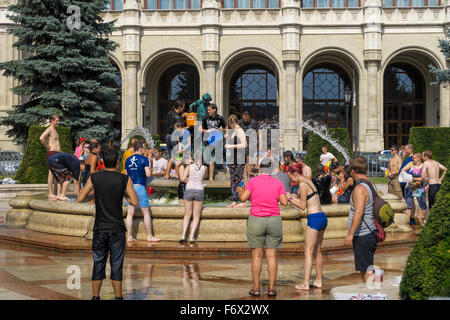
{"type": "Point", "coordinates": [427, 271]}
{"type": "Point", "coordinates": [442, 76]}
{"type": "Point", "coordinates": [64, 70]}
{"type": "Point", "coordinates": [315, 144]}
{"type": "Point", "coordinates": [436, 139]}
{"type": "Point", "coordinates": [156, 140]}
{"type": "Point", "coordinates": [33, 168]}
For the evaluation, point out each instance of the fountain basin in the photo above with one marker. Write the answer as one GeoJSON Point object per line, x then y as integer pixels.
{"type": "Point", "coordinates": [217, 223]}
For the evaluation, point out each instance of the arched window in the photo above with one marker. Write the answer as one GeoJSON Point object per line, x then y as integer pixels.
{"type": "Point", "coordinates": [253, 88]}
{"type": "Point", "coordinates": [323, 96]}
{"type": "Point", "coordinates": [116, 122]}
{"type": "Point", "coordinates": [404, 102]}
{"type": "Point", "coordinates": [178, 82]}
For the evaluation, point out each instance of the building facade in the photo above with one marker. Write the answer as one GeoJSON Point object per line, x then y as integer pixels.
{"type": "Point", "coordinates": [286, 61]}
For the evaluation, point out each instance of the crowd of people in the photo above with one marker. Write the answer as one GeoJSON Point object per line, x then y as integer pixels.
{"type": "Point", "coordinates": [415, 175]}
{"type": "Point", "coordinates": [263, 179]}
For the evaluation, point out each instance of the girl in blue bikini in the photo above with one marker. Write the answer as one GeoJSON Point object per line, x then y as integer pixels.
{"type": "Point", "coordinates": [316, 224]}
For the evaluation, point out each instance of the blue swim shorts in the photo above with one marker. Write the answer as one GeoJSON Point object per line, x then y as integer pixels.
{"type": "Point", "coordinates": [317, 221]}
{"type": "Point", "coordinates": [142, 195]}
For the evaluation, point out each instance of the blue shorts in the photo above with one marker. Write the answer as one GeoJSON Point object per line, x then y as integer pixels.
{"type": "Point", "coordinates": [142, 195]}
{"type": "Point", "coordinates": [317, 221]}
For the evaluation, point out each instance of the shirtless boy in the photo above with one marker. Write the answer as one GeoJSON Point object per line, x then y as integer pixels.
{"type": "Point", "coordinates": [50, 140]}
{"type": "Point", "coordinates": [430, 172]}
{"type": "Point", "coordinates": [394, 168]}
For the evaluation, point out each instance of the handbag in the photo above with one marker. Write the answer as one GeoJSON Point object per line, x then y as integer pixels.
{"type": "Point", "coordinates": [404, 177]}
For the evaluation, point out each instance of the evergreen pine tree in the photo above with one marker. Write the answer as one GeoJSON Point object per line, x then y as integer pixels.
{"type": "Point", "coordinates": [442, 76]}
{"type": "Point", "coordinates": [65, 68]}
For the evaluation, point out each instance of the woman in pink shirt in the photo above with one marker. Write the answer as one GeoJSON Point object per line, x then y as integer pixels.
{"type": "Point", "coordinates": [264, 227]}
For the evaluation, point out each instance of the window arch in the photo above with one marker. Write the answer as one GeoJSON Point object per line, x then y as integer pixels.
{"type": "Point", "coordinates": [180, 81]}
{"type": "Point", "coordinates": [253, 88]}
{"type": "Point", "coordinates": [404, 102]}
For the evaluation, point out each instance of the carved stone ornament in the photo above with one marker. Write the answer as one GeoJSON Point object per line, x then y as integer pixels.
{"type": "Point", "coordinates": [6, 3]}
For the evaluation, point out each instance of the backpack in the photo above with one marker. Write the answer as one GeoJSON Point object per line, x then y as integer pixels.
{"type": "Point", "coordinates": [382, 212]}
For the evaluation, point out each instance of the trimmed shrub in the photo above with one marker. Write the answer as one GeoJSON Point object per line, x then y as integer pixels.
{"type": "Point", "coordinates": [427, 271]}
{"type": "Point", "coordinates": [33, 168]}
{"type": "Point", "coordinates": [315, 144]}
{"type": "Point", "coordinates": [436, 139]}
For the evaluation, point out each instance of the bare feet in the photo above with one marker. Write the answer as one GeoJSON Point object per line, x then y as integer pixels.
{"type": "Point", "coordinates": [231, 205]}
{"type": "Point", "coordinates": [131, 240]}
{"type": "Point", "coordinates": [317, 284]}
{"type": "Point", "coordinates": [153, 239]}
{"type": "Point", "coordinates": [302, 286]}
{"type": "Point", "coordinates": [62, 198]}
{"type": "Point", "coordinates": [52, 197]}
{"type": "Point", "coordinates": [241, 205]}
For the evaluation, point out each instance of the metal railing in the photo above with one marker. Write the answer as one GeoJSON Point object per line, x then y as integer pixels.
{"type": "Point", "coordinates": [378, 164]}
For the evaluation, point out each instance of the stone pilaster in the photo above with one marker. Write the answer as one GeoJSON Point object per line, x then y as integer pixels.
{"type": "Point", "coordinates": [289, 113]}
{"type": "Point", "coordinates": [131, 57]}
{"type": "Point", "coordinates": [7, 98]}
{"type": "Point", "coordinates": [444, 92]}
{"type": "Point", "coordinates": [210, 29]}
{"type": "Point", "coordinates": [372, 124]}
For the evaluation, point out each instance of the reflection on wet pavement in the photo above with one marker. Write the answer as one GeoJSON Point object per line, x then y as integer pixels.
{"type": "Point", "coordinates": [36, 274]}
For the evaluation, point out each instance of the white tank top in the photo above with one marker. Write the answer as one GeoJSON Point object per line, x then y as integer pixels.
{"type": "Point", "coordinates": [195, 179]}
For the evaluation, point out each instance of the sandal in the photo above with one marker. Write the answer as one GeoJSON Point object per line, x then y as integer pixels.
{"type": "Point", "coordinates": [271, 292]}
{"type": "Point", "coordinates": [255, 292]}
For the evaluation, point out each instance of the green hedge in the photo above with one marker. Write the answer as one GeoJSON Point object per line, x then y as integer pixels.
{"type": "Point", "coordinates": [33, 168]}
{"type": "Point", "coordinates": [436, 139]}
{"type": "Point", "coordinates": [315, 144]}
{"type": "Point", "coordinates": [427, 271]}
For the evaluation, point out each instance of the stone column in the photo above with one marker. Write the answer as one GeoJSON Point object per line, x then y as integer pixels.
{"type": "Point", "coordinates": [132, 111]}
{"type": "Point", "coordinates": [290, 113]}
{"type": "Point", "coordinates": [7, 98]}
{"type": "Point", "coordinates": [210, 48]}
{"type": "Point", "coordinates": [372, 131]}
{"type": "Point", "coordinates": [444, 105]}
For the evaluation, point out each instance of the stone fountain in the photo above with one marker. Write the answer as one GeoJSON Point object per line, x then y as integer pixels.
{"type": "Point", "coordinates": [34, 212]}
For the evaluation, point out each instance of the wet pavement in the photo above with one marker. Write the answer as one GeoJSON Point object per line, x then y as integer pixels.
{"type": "Point", "coordinates": [38, 274]}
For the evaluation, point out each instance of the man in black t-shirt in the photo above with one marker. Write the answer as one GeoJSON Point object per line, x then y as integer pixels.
{"type": "Point", "coordinates": [250, 126]}
{"type": "Point", "coordinates": [210, 123]}
{"type": "Point", "coordinates": [110, 186]}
